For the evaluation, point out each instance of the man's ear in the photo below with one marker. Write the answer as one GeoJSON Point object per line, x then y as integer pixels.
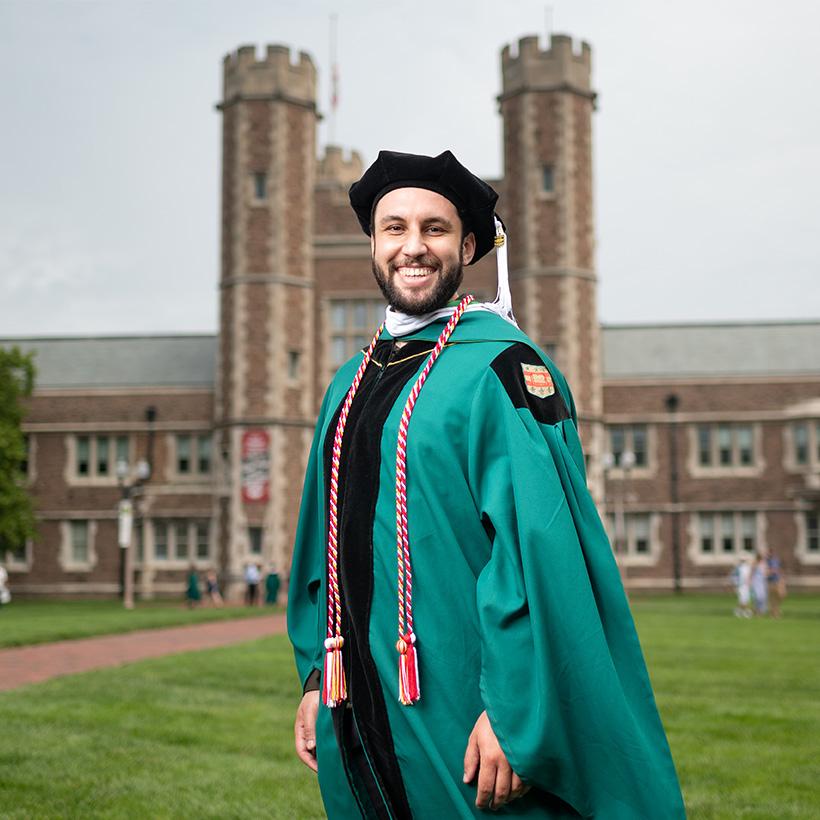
{"type": "Point", "coordinates": [468, 248]}
{"type": "Point", "coordinates": [372, 243]}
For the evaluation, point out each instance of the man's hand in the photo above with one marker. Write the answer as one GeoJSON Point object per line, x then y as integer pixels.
{"type": "Point", "coordinates": [497, 782]}
{"type": "Point", "coordinates": [304, 729]}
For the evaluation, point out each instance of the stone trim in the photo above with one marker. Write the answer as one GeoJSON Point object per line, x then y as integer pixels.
{"type": "Point", "coordinates": [70, 476]}
{"type": "Point", "coordinates": [719, 558]}
{"type": "Point", "coordinates": [67, 563]}
{"type": "Point", "coordinates": [801, 550]}
{"type": "Point", "coordinates": [92, 427]}
{"type": "Point", "coordinates": [576, 273]}
{"type": "Point", "coordinates": [276, 96]}
{"type": "Point", "coordinates": [568, 88]}
{"type": "Point", "coordinates": [698, 470]}
{"type": "Point", "coordinates": [262, 421]}
{"type": "Point", "coordinates": [636, 473]}
{"type": "Point", "coordinates": [68, 588]}
{"type": "Point", "coordinates": [656, 380]}
{"type": "Point", "coordinates": [136, 390]}
{"type": "Point", "coordinates": [25, 565]}
{"type": "Point", "coordinates": [266, 279]}
{"type": "Point", "coordinates": [630, 558]}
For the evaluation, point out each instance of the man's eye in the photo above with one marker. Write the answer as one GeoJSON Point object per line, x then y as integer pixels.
{"type": "Point", "coordinates": [435, 229]}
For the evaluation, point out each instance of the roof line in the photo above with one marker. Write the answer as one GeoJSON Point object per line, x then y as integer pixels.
{"type": "Point", "coordinates": [112, 337]}
{"type": "Point", "coordinates": [716, 323]}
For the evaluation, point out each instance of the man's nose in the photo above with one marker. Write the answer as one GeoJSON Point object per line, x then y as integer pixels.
{"type": "Point", "coordinates": [414, 244]}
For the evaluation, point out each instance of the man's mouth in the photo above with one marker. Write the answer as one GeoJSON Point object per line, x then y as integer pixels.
{"type": "Point", "coordinates": [415, 272]}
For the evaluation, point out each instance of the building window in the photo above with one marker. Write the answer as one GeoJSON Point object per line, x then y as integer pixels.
{"type": "Point", "coordinates": [183, 455]}
{"type": "Point", "coordinates": [139, 540]}
{"type": "Point", "coordinates": [631, 533]}
{"type": "Point", "coordinates": [707, 534]}
{"type": "Point", "coordinates": [183, 540]}
{"type": "Point", "coordinates": [547, 179]}
{"type": "Point", "coordinates": [293, 365]}
{"type": "Point", "coordinates": [805, 444]}
{"type": "Point", "coordinates": [102, 455]}
{"type": "Point", "coordinates": [83, 450]}
{"type": "Point", "coordinates": [160, 541]}
{"type": "Point", "coordinates": [725, 445]}
{"type": "Point", "coordinates": [732, 533]}
{"type": "Point", "coordinates": [260, 186]}
{"type": "Point", "coordinates": [97, 456]}
{"type": "Point", "coordinates": [203, 454]}
{"type": "Point", "coordinates": [203, 540]}
{"type": "Point", "coordinates": [77, 552]}
{"type": "Point", "coordinates": [181, 544]}
{"type": "Point", "coordinates": [193, 454]}
{"type": "Point", "coordinates": [813, 532]}
{"type": "Point", "coordinates": [122, 448]}
{"type": "Point", "coordinates": [352, 325]}
{"type": "Point", "coordinates": [255, 540]}
{"type": "Point", "coordinates": [24, 464]}
{"type": "Point", "coordinates": [626, 439]}
{"type": "Point", "coordinates": [14, 554]}
{"type": "Point", "coordinates": [79, 542]}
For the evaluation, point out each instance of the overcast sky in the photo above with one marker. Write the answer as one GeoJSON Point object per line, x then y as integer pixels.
{"type": "Point", "coordinates": [707, 144]}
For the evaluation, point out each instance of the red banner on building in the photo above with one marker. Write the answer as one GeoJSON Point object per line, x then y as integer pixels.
{"type": "Point", "coordinates": [255, 465]}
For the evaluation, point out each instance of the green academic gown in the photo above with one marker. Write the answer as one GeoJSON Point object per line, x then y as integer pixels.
{"type": "Point", "coordinates": [518, 604]}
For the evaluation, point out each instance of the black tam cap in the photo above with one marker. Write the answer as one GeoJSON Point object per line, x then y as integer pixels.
{"type": "Point", "coordinates": [444, 174]}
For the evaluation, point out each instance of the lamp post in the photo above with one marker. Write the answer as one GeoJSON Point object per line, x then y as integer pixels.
{"type": "Point", "coordinates": [672, 403]}
{"type": "Point", "coordinates": [624, 461]}
{"type": "Point", "coordinates": [129, 481]}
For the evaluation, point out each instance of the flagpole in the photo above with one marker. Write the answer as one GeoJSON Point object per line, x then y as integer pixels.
{"type": "Point", "coordinates": [334, 79]}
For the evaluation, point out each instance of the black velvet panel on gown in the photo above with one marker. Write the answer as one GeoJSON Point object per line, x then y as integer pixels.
{"type": "Point", "coordinates": [358, 491]}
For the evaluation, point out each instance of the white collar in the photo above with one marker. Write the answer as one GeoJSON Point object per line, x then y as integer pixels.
{"type": "Point", "coordinates": [403, 324]}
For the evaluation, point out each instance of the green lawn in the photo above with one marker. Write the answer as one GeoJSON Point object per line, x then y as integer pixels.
{"type": "Point", "coordinates": [28, 622]}
{"type": "Point", "coordinates": [208, 734]}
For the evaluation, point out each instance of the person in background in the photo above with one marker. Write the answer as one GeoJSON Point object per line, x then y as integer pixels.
{"type": "Point", "coordinates": [743, 582]}
{"type": "Point", "coordinates": [760, 589]}
{"type": "Point", "coordinates": [272, 586]}
{"type": "Point", "coordinates": [252, 577]}
{"type": "Point", "coordinates": [212, 586]}
{"type": "Point", "coordinates": [5, 595]}
{"type": "Point", "coordinates": [192, 594]}
{"type": "Point", "coordinates": [777, 584]}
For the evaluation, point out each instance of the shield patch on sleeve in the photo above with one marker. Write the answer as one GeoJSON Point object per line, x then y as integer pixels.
{"type": "Point", "coordinates": [537, 380]}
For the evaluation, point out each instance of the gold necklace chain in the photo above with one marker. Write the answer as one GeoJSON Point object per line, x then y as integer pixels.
{"type": "Point", "coordinates": [411, 356]}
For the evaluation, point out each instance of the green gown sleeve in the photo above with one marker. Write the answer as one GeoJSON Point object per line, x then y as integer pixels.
{"type": "Point", "coordinates": [580, 719]}
{"type": "Point", "coordinates": [306, 624]}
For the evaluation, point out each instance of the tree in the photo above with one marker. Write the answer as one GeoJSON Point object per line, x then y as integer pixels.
{"type": "Point", "coordinates": [17, 522]}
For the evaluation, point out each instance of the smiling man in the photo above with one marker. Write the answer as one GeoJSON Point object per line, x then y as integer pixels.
{"type": "Point", "coordinates": [460, 629]}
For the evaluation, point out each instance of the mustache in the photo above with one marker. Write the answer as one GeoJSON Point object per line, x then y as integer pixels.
{"type": "Point", "coordinates": [415, 261]}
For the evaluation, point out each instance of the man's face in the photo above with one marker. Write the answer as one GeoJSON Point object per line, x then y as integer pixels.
{"type": "Point", "coordinates": [418, 250]}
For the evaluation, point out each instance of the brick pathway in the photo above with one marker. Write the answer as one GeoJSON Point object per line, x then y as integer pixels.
{"type": "Point", "coordinates": [32, 664]}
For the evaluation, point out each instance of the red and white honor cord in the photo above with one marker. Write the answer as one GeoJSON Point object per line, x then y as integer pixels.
{"type": "Point", "coordinates": [334, 689]}
{"type": "Point", "coordinates": [409, 691]}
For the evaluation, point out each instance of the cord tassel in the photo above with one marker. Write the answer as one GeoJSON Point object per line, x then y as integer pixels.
{"type": "Point", "coordinates": [409, 691]}
{"type": "Point", "coordinates": [334, 690]}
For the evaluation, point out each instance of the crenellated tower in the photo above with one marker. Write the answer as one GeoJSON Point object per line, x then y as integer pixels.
{"type": "Point", "coordinates": [546, 104]}
{"type": "Point", "coordinates": [264, 402]}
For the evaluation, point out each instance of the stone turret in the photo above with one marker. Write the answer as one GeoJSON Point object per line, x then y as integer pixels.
{"type": "Point", "coordinates": [546, 103]}
{"type": "Point", "coordinates": [560, 67]}
{"type": "Point", "coordinates": [335, 167]}
{"type": "Point", "coordinates": [265, 379]}
{"type": "Point", "coordinates": [276, 76]}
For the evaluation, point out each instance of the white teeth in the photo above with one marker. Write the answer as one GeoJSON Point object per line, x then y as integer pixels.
{"type": "Point", "coordinates": [415, 273]}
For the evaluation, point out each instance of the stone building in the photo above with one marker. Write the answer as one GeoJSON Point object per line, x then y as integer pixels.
{"type": "Point", "coordinates": [703, 442]}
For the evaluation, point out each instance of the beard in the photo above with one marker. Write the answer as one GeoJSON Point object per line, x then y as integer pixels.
{"type": "Point", "coordinates": [446, 285]}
